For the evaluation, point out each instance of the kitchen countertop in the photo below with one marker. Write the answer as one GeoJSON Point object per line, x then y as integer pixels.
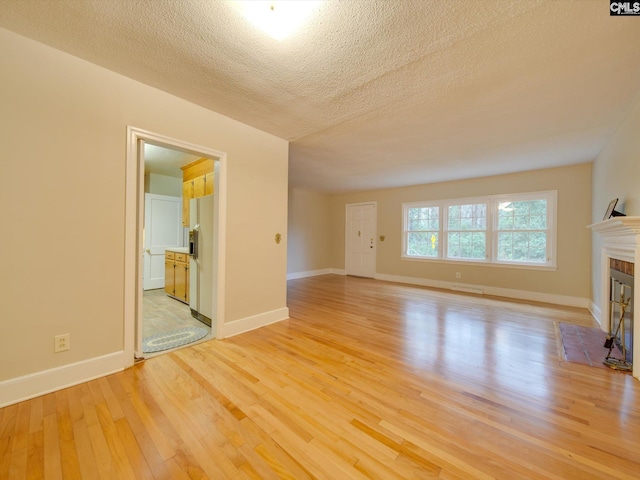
{"type": "Point", "coordinates": [178, 249]}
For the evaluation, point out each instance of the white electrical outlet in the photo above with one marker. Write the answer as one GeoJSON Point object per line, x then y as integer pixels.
{"type": "Point", "coordinates": [458, 275]}
{"type": "Point", "coordinates": [61, 343]}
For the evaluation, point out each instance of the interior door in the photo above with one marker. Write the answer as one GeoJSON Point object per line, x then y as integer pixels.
{"type": "Point", "coordinates": [162, 229]}
{"type": "Point", "coordinates": [360, 248]}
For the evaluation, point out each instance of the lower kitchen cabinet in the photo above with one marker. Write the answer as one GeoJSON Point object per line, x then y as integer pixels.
{"type": "Point", "coordinates": [176, 275]}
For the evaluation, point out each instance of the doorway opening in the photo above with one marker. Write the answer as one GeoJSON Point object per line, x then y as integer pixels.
{"type": "Point", "coordinates": [173, 289]}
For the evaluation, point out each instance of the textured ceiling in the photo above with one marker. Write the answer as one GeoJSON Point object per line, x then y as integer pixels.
{"type": "Point", "coordinates": [376, 94]}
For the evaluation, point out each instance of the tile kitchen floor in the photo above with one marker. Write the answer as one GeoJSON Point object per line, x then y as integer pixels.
{"type": "Point", "coordinates": [163, 314]}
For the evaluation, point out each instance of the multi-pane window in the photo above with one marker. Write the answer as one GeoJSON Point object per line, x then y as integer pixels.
{"type": "Point", "coordinates": [522, 231]}
{"type": "Point", "coordinates": [467, 231]}
{"type": "Point", "coordinates": [423, 231]}
{"type": "Point", "coordinates": [517, 229]}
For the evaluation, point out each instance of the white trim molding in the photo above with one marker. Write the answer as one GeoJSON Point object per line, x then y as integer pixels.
{"type": "Point", "coordinates": [488, 290]}
{"type": "Point", "coordinates": [595, 312]}
{"type": "Point", "coordinates": [564, 300]}
{"type": "Point", "coordinates": [626, 229]}
{"type": "Point", "coordinates": [247, 324]}
{"type": "Point", "coordinates": [620, 241]}
{"type": "Point", "coordinates": [311, 273]}
{"type": "Point", "coordinates": [40, 383]}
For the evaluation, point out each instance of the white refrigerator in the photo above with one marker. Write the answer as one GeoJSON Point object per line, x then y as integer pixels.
{"type": "Point", "coordinates": [201, 255]}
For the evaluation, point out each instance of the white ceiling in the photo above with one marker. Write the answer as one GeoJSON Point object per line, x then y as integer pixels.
{"type": "Point", "coordinates": [371, 93]}
{"type": "Point", "coordinates": [165, 161]}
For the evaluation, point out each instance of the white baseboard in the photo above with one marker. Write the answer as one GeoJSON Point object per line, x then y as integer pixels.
{"type": "Point", "coordinates": [564, 300]}
{"type": "Point", "coordinates": [423, 282]}
{"type": "Point", "coordinates": [596, 313]}
{"type": "Point", "coordinates": [256, 321]}
{"type": "Point", "coordinates": [314, 273]}
{"type": "Point", "coordinates": [467, 289]}
{"type": "Point", "coordinates": [35, 384]}
{"type": "Point", "coordinates": [310, 273]}
{"type": "Point", "coordinates": [487, 290]}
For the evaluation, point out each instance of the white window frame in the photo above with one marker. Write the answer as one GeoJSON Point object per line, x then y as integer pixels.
{"type": "Point", "coordinates": [487, 231]}
{"type": "Point", "coordinates": [405, 228]}
{"type": "Point", "coordinates": [551, 197]}
{"type": "Point", "coordinates": [491, 257]}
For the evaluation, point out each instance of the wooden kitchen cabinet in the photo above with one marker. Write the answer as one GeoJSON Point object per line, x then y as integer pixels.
{"type": "Point", "coordinates": [197, 181]}
{"type": "Point", "coordinates": [169, 275]}
{"type": "Point", "coordinates": [203, 185]}
{"type": "Point", "coordinates": [181, 278]}
{"type": "Point", "coordinates": [208, 184]}
{"type": "Point", "coordinates": [187, 194]}
{"type": "Point", "coordinates": [176, 275]}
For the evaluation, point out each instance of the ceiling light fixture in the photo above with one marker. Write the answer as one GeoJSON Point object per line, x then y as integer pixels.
{"type": "Point", "coordinates": [277, 18]}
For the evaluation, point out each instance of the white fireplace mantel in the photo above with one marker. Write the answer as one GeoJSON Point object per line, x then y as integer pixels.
{"type": "Point", "coordinates": [617, 226]}
{"type": "Point", "coordinates": [621, 241]}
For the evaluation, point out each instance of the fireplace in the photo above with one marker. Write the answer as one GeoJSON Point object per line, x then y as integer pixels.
{"type": "Point", "coordinates": [621, 308]}
{"type": "Point", "coordinates": [619, 238]}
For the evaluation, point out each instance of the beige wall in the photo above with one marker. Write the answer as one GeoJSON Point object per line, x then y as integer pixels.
{"type": "Point", "coordinates": [616, 174]}
{"type": "Point", "coordinates": [162, 185]}
{"type": "Point", "coordinates": [309, 231]}
{"type": "Point", "coordinates": [571, 278]}
{"type": "Point", "coordinates": [62, 187]}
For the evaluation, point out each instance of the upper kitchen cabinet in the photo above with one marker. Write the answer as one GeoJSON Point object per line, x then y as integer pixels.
{"type": "Point", "coordinates": [208, 184]}
{"type": "Point", "coordinates": [197, 181]}
{"type": "Point", "coordinates": [199, 187]}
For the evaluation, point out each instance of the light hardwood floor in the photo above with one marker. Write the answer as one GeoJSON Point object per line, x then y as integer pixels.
{"type": "Point", "coordinates": [367, 379]}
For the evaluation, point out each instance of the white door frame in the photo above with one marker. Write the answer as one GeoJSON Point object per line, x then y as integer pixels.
{"type": "Point", "coordinates": [346, 234]}
{"type": "Point", "coordinates": [134, 220]}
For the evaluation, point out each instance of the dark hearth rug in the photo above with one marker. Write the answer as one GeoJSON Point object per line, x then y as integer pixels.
{"type": "Point", "coordinates": [584, 345]}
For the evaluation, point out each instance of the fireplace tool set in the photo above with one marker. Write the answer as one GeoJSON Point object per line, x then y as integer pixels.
{"type": "Point", "coordinates": [609, 361]}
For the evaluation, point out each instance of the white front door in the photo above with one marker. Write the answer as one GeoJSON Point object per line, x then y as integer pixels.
{"type": "Point", "coordinates": [360, 248]}
{"type": "Point", "coordinates": [162, 229]}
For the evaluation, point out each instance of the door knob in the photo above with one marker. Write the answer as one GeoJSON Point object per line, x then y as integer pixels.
{"type": "Point", "coordinates": [148, 251]}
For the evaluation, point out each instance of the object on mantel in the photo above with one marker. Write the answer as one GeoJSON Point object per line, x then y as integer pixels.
{"type": "Point", "coordinates": [611, 212]}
